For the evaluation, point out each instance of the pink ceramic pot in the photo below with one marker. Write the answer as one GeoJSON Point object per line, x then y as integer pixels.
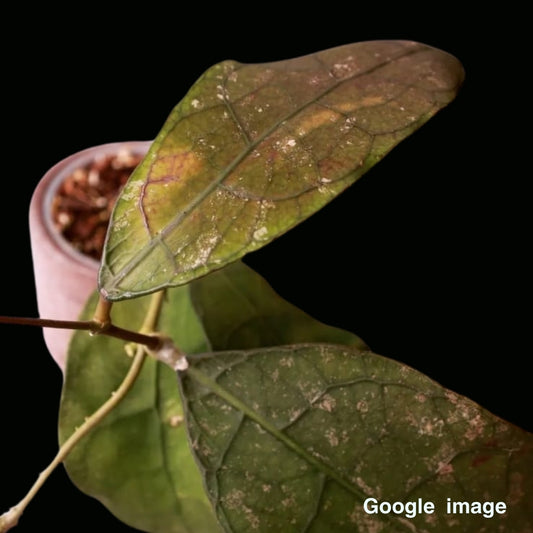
{"type": "Point", "coordinates": [64, 278]}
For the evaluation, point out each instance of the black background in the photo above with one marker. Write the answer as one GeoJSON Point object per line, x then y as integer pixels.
{"type": "Point", "coordinates": [424, 257]}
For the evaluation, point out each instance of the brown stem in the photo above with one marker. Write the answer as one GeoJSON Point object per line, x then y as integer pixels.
{"type": "Point", "coordinates": [47, 322]}
{"type": "Point", "coordinates": [96, 328]}
{"type": "Point", "coordinates": [152, 342]}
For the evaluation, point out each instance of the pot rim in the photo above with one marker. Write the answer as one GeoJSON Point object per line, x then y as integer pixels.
{"type": "Point", "coordinates": [59, 172]}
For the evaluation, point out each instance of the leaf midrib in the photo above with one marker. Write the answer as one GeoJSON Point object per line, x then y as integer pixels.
{"type": "Point", "coordinates": [325, 469]}
{"type": "Point", "coordinates": [157, 240]}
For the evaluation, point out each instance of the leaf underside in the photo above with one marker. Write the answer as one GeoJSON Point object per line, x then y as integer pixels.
{"type": "Point", "coordinates": [295, 439]}
{"type": "Point", "coordinates": [254, 149]}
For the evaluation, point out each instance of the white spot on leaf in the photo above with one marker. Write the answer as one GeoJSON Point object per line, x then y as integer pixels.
{"type": "Point", "coordinates": [261, 234]}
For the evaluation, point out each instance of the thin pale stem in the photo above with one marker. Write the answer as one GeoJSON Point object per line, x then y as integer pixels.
{"type": "Point", "coordinates": [11, 517]}
{"type": "Point", "coordinates": [154, 310]}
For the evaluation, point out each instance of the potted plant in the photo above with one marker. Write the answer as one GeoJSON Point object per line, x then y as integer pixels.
{"type": "Point", "coordinates": [202, 400]}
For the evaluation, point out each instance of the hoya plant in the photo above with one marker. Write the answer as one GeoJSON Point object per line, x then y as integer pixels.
{"type": "Point", "coordinates": [202, 401]}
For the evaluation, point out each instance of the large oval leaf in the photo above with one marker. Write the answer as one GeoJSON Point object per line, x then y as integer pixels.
{"type": "Point", "coordinates": [252, 150]}
{"type": "Point", "coordinates": [138, 462]}
{"type": "Point", "coordinates": [296, 438]}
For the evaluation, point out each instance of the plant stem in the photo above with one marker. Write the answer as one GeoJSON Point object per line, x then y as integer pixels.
{"type": "Point", "coordinates": [102, 314]}
{"type": "Point", "coordinates": [152, 314]}
{"type": "Point", "coordinates": [11, 517]}
{"type": "Point", "coordinates": [93, 326]}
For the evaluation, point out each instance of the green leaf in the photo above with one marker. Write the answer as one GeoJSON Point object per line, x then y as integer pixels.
{"type": "Point", "coordinates": [138, 462]}
{"type": "Point", "coordinates": [252, 150]}
{"type": "Point", "coordinates": [239, 309]}
{"type": "Point", "coordinates": [296, 438]}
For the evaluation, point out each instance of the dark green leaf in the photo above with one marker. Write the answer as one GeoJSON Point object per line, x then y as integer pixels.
{"type": "Point", "coordinates": [252, 150]}
{"type": "Point", "coordinates": [295, 439]}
